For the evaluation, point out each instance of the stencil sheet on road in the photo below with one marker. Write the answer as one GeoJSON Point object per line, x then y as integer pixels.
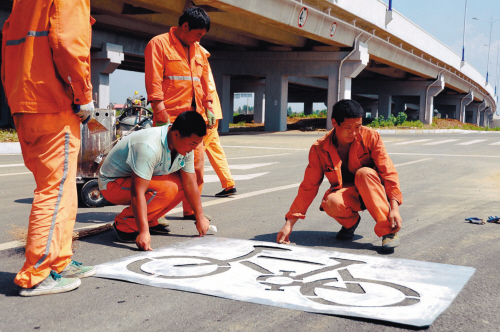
{"type": "Point", "coordinates": [294, 277]}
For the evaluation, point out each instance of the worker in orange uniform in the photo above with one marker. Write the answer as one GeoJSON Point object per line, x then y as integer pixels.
{"type": "Point", "coordinates": [176, 74]}
{"type": "Point", "coordinates": [361, 175]}
{"type": "Point", "coordinates": [46, 77]}
{"type": "Point", "coordinates": [213, 148]}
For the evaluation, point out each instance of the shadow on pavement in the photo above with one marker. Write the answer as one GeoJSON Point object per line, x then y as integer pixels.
{"type": "Point", "coordinates": [24, 200]}
{"type": "Point", "coordinates": [95, 217]}
{"type": "Point", "coordinates": [7, 286]}
{"type": "Point", "coordinates": [324, 239]}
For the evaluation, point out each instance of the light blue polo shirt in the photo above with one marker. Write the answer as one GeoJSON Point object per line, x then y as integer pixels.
{"type": "Point", "coordinates": [144, 153]}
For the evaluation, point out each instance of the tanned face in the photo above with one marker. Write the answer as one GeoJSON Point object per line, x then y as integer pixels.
{"type": "Point", "coordinates": [189, 37]}
{"type": "Point", "coordinates": [183, 145]}
{"type": "Point", "coordinates": [346, 132]}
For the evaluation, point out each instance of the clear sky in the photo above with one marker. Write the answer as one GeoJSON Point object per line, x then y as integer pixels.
{"type": "Point", "coordinates": [444, 19]}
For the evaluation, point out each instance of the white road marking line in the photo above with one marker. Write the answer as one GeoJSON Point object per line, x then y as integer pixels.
{"type": "Point", "coordinates": [413, 162]}
{"type": "Point", "coordinates": [10, 245]}
{"type": "Point", "coordinates": [19, 244]}
{"type": "Point", "coordinates": [242, 166]}
{"type": "Point", "coordinates": [471, 142]}
{"type": "Point", "coordinates": [442, 155]}
{"type": "Point", "coordinates": [15, 174]}
{"type": "Point", "coordinates": [239, 196]}
{"type": "Point", "coordinates": [441, 142]}
{"type": "Point", "coordinates": [252, 157]}
{"type": "Point", "coordinates": [12, 165]}
{"type": "Point", "coordinates": [207, 178]}
{"type": "Point", "coordinates": [416, 141]}
{"type": "Point", "coordinates": [496, 143]}
{"type": "Point", "coordinates": [261, 147]}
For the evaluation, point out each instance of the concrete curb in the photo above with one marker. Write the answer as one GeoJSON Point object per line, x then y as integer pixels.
{"type": "Point", "coordinates": [10, 148]}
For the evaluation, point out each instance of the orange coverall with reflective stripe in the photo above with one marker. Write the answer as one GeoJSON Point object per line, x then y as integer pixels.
{"type": "Point", "coordinates": [46, 68]}
{"type": "Point", "coordinates": [213, 147]}
{"type": "Point", "coordinates": [376, 181]}
{"type": "Point", "coordinates": [172, 77]}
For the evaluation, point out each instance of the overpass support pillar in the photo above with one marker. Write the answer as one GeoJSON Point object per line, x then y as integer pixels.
{"type": "Point", "coordinates": [463, 104]}
{"type": "Point", "coordinates": [104, 63]}
{"type": "Point", "coordinates": [400, 104]}
{"type": "Point", "coordinates": [342, 81]}
{"type": "Point", "coordinates": [427, 104]}
{"type": "Point", "coordinates": [276, 102]}
{"type": "Point", "coordinates": [258, 109]}
{"type": "Point", "coordinates": [223, 84]}
{"type": "Point", "coordinates": [384, 105]}
{"type": "Point", "coordinates": [477, 112]}
{"type": "Point", "coordinates": [308, 107]}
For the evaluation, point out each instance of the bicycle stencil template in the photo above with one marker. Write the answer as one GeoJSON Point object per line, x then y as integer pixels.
{"type": "Point", "coordinates": [321, 281]}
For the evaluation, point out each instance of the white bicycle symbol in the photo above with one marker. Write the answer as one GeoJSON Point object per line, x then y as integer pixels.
{"type": "Point", "coordinates": [341, 290]}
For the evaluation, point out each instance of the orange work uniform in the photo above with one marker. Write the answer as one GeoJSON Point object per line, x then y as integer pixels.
{"type": "Point", "coordinates": [177, 79]}
{"type": "Point", "coordinates": [375, 181]}
{"type": "Point", "coordinates": [45, 69]}
{"type": "Point", "coordinates": [213, 147]}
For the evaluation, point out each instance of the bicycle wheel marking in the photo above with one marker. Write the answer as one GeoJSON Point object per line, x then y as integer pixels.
{"type": "Point", "coordinates": [396, 290]}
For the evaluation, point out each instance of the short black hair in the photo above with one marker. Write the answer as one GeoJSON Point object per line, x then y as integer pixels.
{"type": "Point", "coordinates": [346, 109]}
{"type": "Point", "coordinates": [196, 18]}
{"type": "Point", "coordinates": [189, 123]}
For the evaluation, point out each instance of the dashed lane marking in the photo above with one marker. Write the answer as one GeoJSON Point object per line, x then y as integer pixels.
{"type": "Point", "coordinates": [442, 142]}
{"type": "Point", "coordinates": [242, 166]}
{"type": "Point", "coordinates": [261, 147]}
{"type": "Point", "coordinates": [415, 141]}
{"type": "Point", "coordinates": [471, 142]}
{"type": "Point", "coordinates": [263, 156]}
{"type": "Point", "coordinates": [12, 165]}
{"type": "Point", "coordinates": [10, 174]}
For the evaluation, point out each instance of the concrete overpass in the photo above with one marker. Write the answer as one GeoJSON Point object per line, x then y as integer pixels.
{"type": "Point", "coordinates": [301, 51]}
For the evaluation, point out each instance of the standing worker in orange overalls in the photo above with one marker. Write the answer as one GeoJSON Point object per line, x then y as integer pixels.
{"type": "Point", "coordinates": [46, 77]}
{"type": "Point", "coordinates": [177, 79]}
{"type": "Point", "coordinates": [213, 148]}
{"type": "Point", "coordinates": [361, 174]}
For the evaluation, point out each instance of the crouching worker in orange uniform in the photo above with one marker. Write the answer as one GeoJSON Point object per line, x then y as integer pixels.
{"type": "Point", "coordinates": [151, 170]}
{"type": "Point", "coordinates": [46, 77]}
{"type": "Point", "coordinates": [361, 176]}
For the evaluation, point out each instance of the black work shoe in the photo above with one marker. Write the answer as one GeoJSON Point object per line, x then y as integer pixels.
{"type": "Point", "coordinates": [225, 193]}
{"type": "Point", "coordinates": [192, 217]}
{"type": "Point", "coordinates": [124, 236]}
{"type": "Point", "coordinates": [390, 241]}
{"type": "Point", "coordinates": [347, 233]}
{"type": "Point", "coordinates": [159, 229]}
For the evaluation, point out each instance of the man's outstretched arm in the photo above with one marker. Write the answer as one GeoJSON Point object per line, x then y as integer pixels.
{"type": "Point", "coordinates": [192, 194]}
{"type": "Point", "coordinates": [140, 209]}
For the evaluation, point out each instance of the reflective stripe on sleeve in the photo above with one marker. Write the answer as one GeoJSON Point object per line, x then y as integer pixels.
{"type": "Point", "coordinates": [30, 34]}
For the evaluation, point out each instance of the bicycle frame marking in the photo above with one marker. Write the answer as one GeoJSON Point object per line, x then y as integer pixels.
{"type": "Point", "coordinates": [401, 291]}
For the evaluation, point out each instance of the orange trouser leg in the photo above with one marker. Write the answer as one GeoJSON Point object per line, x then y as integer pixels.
{"type": "Point", "coordinates": [344, 204]}
{"type": "Point", "coordinates": [374, 197]}
{"type": "Point", "coordinates": [163, 194]}
{"type": "Point", "coordinates": [50, 144]}
{"type": "Point", "coordinates": [217, 157]}
{"type": "Point", "coordinates": [199, 169]}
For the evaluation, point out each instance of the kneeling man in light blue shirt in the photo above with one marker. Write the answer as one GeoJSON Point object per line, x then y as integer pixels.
{"type": "Point", "coordinates": [151, 171]}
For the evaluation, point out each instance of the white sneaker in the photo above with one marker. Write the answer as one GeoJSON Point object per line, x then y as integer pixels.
{"type": "Point", "coordinates": [53, 284]}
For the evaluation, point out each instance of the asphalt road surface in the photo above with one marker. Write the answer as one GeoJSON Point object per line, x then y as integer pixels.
{"type": "Point", "coordinates": [445, 178]}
